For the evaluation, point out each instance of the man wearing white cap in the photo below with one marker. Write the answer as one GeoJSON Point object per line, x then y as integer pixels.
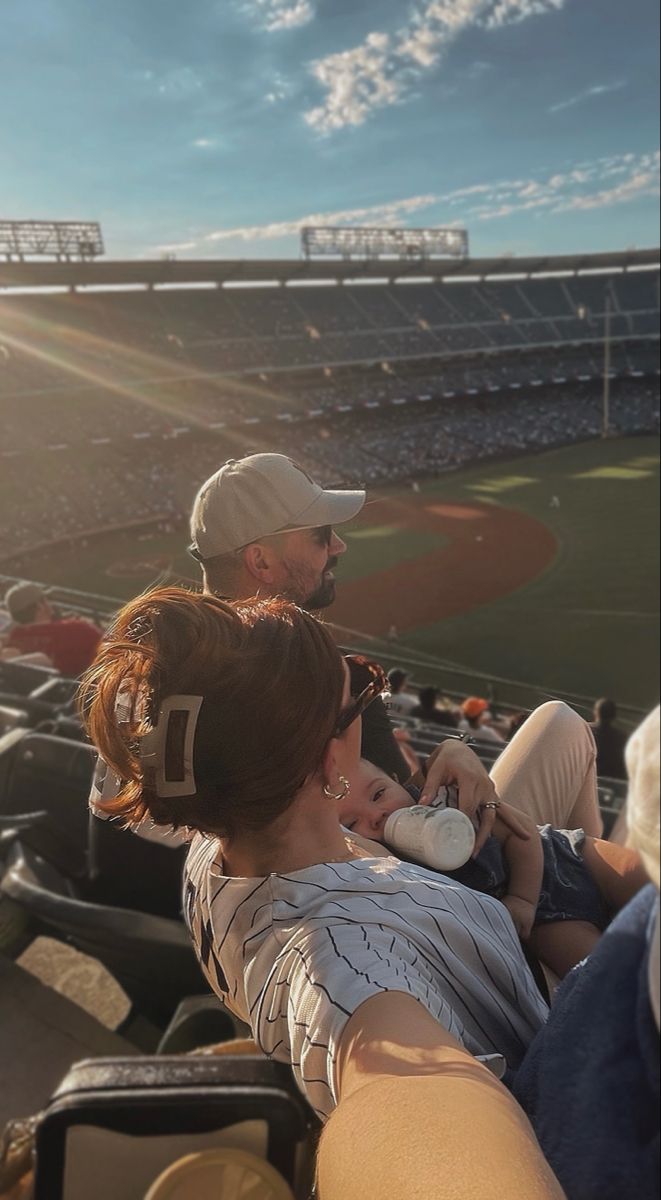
{"type": "Point", "coordinates": [262, 526]}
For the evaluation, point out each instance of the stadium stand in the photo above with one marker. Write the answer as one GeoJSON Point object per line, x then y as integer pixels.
{"type": "Point", "coordinates": [403, 431]}
{"type": "Point", "coordinates": [115, 404]}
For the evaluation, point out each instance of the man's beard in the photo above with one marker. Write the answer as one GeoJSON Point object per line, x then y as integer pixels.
{"type": "Point", "coordinates": [322, 596]}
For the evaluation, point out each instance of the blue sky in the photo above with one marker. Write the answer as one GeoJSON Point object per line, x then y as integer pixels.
{"type": "Point", "coordinates": [213, 128]}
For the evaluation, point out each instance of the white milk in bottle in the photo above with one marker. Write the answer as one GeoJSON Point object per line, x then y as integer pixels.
{"type": "Point", "coordinates": [437, 835]}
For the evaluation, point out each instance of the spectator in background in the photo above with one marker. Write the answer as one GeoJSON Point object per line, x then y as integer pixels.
{"type": "Point", "coordinates": [69, 642]}
{"type": "Point", "coordinates": [610, 741]}
{"type": "Point", "coordinates": [515, 722]}
{"type": "Point", "coordinates": [426, 709]}
{"type": "Point", "coordinates": [399, 703]}
{"type": "Point", "coordinates": [476, 719]}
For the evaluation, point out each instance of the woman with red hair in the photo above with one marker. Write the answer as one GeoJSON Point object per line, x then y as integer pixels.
{"type": "Point", "coordinates": [380, 982]}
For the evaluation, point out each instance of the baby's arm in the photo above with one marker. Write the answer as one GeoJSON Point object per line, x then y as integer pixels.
{"type": "Point", "coordinates": [525, 864]}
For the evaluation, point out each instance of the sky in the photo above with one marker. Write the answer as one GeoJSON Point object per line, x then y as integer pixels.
{"type": "Point", "coordinates": [215, 128]}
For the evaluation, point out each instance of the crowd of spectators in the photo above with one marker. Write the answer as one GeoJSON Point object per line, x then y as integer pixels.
{"type": "Point", "coordinates": [76, 489]}
{"type": "Point", "coordinates": [405, 444]}
{"type": "Point", "coordinates": [170, 355]}
{"type": "Point", "coordinates": [119, 407]}
{"type": "Point", "coordinates": [128, 405]}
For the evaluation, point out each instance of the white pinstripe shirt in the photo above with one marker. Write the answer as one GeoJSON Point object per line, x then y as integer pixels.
{"type": "Point", "coordinates": [294, 955]}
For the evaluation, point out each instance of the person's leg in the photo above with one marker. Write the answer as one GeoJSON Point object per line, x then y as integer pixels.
{"type": "Point", "coordinates": [560, 945]}
{"type": "Point", "coordinates": [548, 770]}
{"type": "Point", "coordinates": [617, 871]}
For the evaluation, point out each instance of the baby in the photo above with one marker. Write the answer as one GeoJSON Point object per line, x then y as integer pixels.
{"type": "Point", "coordinates": [561, 888]}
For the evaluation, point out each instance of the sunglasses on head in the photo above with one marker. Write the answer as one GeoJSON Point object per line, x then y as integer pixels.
{"type": "Point", "coordinates": [357, 705]}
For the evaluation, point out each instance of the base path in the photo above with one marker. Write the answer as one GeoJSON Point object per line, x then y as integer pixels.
{"type": "Point", "coordinates": [491, 552]}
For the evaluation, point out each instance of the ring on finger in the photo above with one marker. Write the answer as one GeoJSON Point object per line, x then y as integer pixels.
{"type": "Point", "coordinates": [494, 804]}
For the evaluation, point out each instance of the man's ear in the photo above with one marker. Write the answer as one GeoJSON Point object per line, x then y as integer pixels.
{"type": "Point", "coordinates": [258, 559]}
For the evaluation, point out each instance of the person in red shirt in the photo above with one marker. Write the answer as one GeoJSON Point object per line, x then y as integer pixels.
{"type": "Point", "coordinates": [69, 642]}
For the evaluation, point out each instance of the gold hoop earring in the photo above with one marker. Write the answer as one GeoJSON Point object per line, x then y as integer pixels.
{"type": "Point", "coordinates": [346, 788]}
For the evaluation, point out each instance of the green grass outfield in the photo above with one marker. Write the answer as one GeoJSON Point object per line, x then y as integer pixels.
{"type": "Point", "coordinates": [589, 625]}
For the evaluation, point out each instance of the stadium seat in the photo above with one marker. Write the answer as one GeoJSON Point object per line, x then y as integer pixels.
{"type": "Point", "coordinates": [36, 710]}
{"type": "Point", "coordinates": [23, 678]}
{"type": "Point", "coordinates": [150, 957]}
{"type": "Point", "coordinates": [38, 771]}
{"type": "Point", "coordinates": [612, 794]}
{"type": "Point", "coordinates": [127, 871]}
{"type": "Point", "coordinates": [12, 716]}
{"type": "Point", "coordinates": [61, 693]}
{"type": "Point", "coordinates": [63, 727]}
{"type": "Point", "coordinates": [201, 1021]}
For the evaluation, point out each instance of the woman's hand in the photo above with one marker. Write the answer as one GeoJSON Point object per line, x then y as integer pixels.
{"type": "Point", "coordinates": [454, 763]}
{"type": "Point", "coordinates": [522, 913]}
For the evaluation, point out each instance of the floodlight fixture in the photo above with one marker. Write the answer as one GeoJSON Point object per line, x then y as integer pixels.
{"type": "Point", "coordinates": [62, 240]}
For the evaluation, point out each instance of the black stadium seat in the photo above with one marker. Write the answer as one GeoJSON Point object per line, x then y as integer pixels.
{"type": "Point", "coordinates": [23, 678]}
{"type": "Point", "coordinates": [152, 958]}
{"type": "Point", "coordinates": [59, 692]}
{"type": "Point", "coordinates": [131, 872]}
{"type": "Point", "coordinates": [35, 711]}
{"type": "Point", "coordinates": [38, 771]}
{"type": "Point", "coordinates": [63, 727]}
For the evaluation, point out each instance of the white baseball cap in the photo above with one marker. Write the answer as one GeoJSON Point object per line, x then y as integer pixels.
{"type": "Point", "coordinates": [255, 497]}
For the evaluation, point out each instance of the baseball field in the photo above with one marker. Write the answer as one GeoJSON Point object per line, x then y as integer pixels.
{"type": "Point", "coordinates": [542, 571]}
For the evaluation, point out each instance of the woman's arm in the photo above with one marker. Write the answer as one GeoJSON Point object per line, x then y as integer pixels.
{"type": "Point", "coordinates": [525, 865]}
{"type": "Point", "coordinates": [417, 1113]}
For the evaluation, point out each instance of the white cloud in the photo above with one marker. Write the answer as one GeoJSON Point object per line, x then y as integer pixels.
{"type": "Point", "coordinates": [577, 190]}
{"type": "Point", "coordinates": [356, 82]}
{"type": "Point", "coordinates": [643, 181]}
{"type": "Point", "coordinates": [382, 69]}
{"type": "Point", "coordinates": [508, 12]}
{"type": "Point", "coordinates": [581, 187]}
{"type": "Point", "coordinates": [180, 82]}
{"type": "Point", "coordinates": [600, 89]}
{"type": "Point", "coordinates": [204, 143]}
{"type": "Point", "coordinates": [276, 15]}
{"type": "Point", "coordinates": [280, 90]}
{"type": "Point", "coordinates": [391, 213]}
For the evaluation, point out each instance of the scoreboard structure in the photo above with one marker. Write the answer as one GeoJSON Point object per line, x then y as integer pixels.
{"type": "Point", "coordinates": [373, 242]}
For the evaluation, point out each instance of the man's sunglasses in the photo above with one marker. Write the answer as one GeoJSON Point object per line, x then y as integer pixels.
{"type": "Point", "coordinates": [323, 535]}
{"type": "Point", "coordinates": [378, 683]}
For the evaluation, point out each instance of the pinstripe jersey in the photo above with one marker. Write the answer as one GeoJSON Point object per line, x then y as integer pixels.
{"type": "Point", "coordinates": [295, 954]}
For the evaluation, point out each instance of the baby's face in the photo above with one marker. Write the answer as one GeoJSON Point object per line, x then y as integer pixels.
{"type": "Point", "coordinates": [373, 797]}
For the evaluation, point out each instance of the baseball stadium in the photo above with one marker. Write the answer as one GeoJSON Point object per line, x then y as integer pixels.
{"type": "Point", "coordinates": [511, 531]}
{"type": "Point", "coordinates": [502, 415]}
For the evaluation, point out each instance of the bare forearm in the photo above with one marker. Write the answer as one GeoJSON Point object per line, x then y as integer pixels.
{"type": "Point", "coordinates": [399, 1136]}
{"type": "Point", "coordinates": [525, 862]}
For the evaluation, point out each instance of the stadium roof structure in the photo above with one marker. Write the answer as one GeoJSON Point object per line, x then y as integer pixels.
{"type": "Point", "coordinates": [180, 272]}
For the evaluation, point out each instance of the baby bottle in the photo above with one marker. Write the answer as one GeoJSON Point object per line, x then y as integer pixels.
{"type": "Point", "coordinates": [438, 835]}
